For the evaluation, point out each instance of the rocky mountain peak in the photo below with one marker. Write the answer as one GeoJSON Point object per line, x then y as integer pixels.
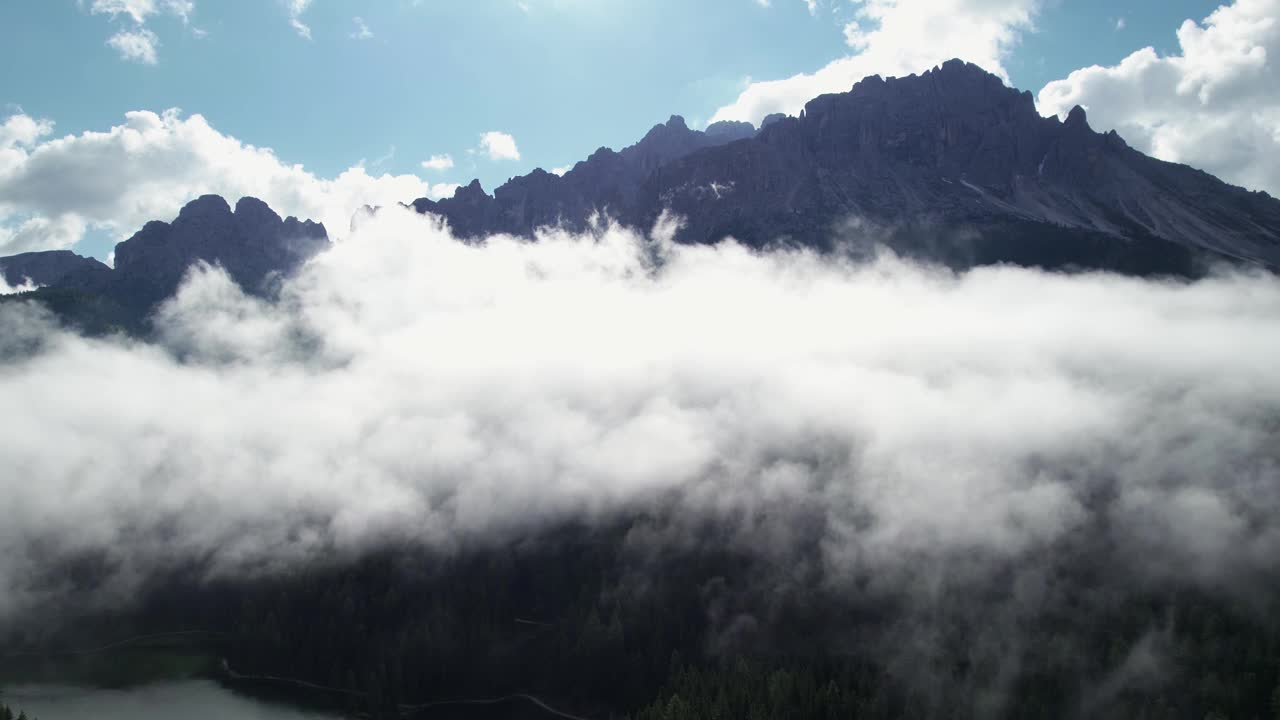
{"type": "Point", "coordinates": [254, 211]}
{"type": "Point", "coordinates": [730, 130]}
{"type": "Point", "coordinates": [49, 267]}
{"type": "Point", "coordinates": [771, 119]}
{"type": "Point", "coordinates": [205, 206]}
{"type": "Point", "coordinates": [252, 244]}
{"type": "Point", "coordinates": [953, 148]}
{"type": "Point", "coordinates": [471, 192]}
{"type": "Point", "coordinates": [1077, 119]}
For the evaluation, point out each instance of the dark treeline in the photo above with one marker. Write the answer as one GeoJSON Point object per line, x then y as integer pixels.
{"type": "Point", "coordinates": [604, 624]}
{"type": "Point", "coordinates": [7, 713]}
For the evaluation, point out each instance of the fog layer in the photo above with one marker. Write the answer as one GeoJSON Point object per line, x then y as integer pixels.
{"type": "Point", "coordinates": [408, 387]}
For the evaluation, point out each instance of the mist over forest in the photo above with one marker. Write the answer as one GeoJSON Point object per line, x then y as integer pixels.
{"type": "Point", "coordinates": [976, 491]}
{"type": "Point", "coordinates": [662, 360]}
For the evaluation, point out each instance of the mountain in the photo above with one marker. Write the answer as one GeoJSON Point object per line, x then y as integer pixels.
{"type": "Point", "coordinates": [950, 165]}
{"type": "Point", "coordinates": [252, 243]}
{"type": "Point", "coordinates": [46, 268]}
{"type": "Point", "coordinates": [605, 180]}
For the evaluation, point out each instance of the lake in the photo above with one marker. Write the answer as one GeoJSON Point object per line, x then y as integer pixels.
{"type": "Point", "coordinates": [207, 700]}
{"type": "Point", "coordinates": [187, 700]}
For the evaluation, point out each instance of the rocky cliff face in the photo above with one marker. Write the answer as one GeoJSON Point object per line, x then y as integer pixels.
{"type": "Point", "coordinates": [951, 165]}
{"type": "Point", "coordinates": [607, 181]}
{"type": "Point", "coordinates": [51, 267]}
{"type": "Point", "coordinates": [255, 246]}
{"type": "Point", "coordinates": [252, 243]}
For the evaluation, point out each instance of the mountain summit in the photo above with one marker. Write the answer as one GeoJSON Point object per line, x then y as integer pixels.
{"type": "Point", "coordinates": [951, 165]}
{"type": "Point", "coordinates": [252, 243]}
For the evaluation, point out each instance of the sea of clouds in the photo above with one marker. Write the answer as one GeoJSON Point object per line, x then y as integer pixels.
{"type": "Point", "coordinates": [408, 387]}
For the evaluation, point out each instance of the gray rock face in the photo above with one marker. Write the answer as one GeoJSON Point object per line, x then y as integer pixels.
{"type": "Point", "coordinates": [771, 119]}
{"type": "Point", "coordinates": [252, 243]}
{"type": "Point", "coordinates": [951, 165]}
{"type": "Point", "coordinates": [607, 181]}
{"type": "Point", "coordinates": [51, 267]}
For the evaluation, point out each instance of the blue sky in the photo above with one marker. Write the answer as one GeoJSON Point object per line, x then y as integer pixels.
{"type": "Point", "coordinates": [562, 77]}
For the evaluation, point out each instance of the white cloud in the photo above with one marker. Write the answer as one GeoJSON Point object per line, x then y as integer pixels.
{"type": "Point", "coordinates": [1120, 24]}
{"type": "Point", "coordinates": [183, 9]}
{"type": "Point", "coordinates": [441, 190]}
{"type": "Point", "coordinates": [560, 170]}
{"type": "Point", "coordinates": [413, 387]}
{"type": "Point", "coordinates": [897, 37]}
{"type": "Point", "coordinates": [438, 162]}
{"type": "Point", "coordinates": [150, 166]}
{"type": "Point", "coordinates": [26, 234]}
{"type": "Point", "coordinates": [25, 286]}
{"type": "Point", "coordinates": [137, 45]}
{"type": "Point", "coordinates": [139, 10]}
{"type": "Point", "coordinates": [362, 31]}
{"type": "Point", "coordinates": [22, 130]}
{"type": "Point", "coordinates": [1213, 105]}
{"type": "Point", "coordinates": [296, 9]}
{"type": "Point", "coordinates": [499, 146]}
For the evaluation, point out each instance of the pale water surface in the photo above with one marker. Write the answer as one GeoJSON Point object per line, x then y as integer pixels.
{"type": "Point", "coordinates": [189, 700]}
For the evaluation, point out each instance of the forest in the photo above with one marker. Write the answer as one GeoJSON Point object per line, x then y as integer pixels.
{"type": "Point", "coordinates": [600, 625]}
{"type": "Point", "coordinates": [7, 713]}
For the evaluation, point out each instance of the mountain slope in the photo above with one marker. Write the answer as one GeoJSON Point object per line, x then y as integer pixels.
{"type": "Point", "coordinates": [951, 165]}
{"type": "Point", "coordinates": [252, 243]}
{"type": "Point", "coordinates": [49, 267]}
{"type": "Point", "coordinates": [605, 181]}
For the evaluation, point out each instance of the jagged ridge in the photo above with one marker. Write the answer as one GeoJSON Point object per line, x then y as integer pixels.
{"type": "Point", "coordinates": [951, 165]}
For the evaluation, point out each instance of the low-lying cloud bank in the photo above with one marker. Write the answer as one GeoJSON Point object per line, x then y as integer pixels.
{"type": "Point", "coordinates": [410, 387]}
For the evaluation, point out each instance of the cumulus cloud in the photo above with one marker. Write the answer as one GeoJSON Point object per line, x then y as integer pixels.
{"type": "Point", "coordinates": [296, 9]}
{"type": "Point", "coordinates": [438, 162]}
{"type": "Point", "coordinates": [897, 37]}
{"type": "Point", "coordinates": [409, 387]}
{"type": "Point", "coordinates": [41, 233]}
{"type": "Point", "coordinates": [441, 190]}
{"type": "Point", "coordinates": [1213, 105]}
{"type": "Point", "coordinates": [148, 167]}
{"type": "Point", "coordinates": [137, 45]}
{"type": "Point", "coordinates": [21, 130]}
{"type": "Point", "coordinates": [499, 146]}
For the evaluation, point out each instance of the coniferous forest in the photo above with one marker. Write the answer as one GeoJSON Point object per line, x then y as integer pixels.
{"type": "Point", "coordinates": [7, 713]}
{"type": "Point", "coordinates": [598, 625]}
